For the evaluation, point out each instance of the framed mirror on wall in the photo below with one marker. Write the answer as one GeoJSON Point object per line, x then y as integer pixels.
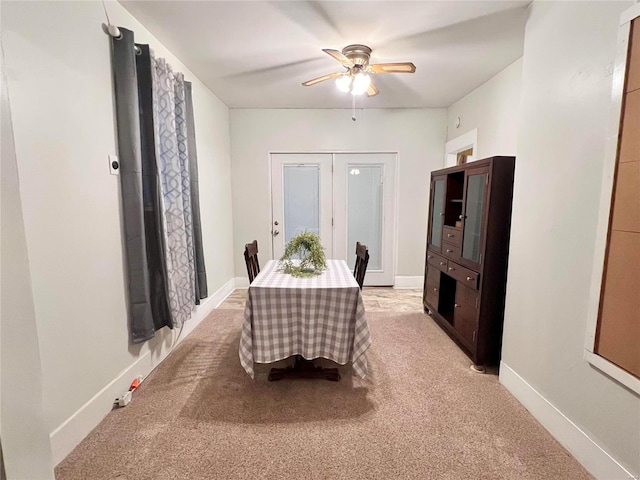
{"type": "Point", "coordinates": [613, 336]}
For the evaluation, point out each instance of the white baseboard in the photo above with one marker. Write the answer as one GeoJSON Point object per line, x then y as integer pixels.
{"type": "Point", "coordinates": [404, 282]}
{"type": "Point", "coordinates": [592, 457]}
{"type": "Point", "coordinates": [242, 282]}
{"type": "Point", "coordinates": [71, 432]}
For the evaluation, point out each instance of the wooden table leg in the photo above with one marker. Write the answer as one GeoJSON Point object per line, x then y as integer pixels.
{"type": "Point", "coordinates": [303, 368]}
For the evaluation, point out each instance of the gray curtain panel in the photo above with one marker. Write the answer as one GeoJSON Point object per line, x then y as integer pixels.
{"type": "Point", "coordinates": [151, 195]}
{"type": "Point", "coordinates": [128, 129]}
{"type": "Point", "coordinates": [201, 273]}
{"type": "Point", "coordinates": [156, 144]}
{"type": "Point", "coordinates": [169, 111]}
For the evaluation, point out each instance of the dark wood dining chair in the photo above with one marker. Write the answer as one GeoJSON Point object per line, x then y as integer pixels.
{"type": "Point", "coordinates": [251, 259]}
{"type": "Point", "coordinates": [362, 260]}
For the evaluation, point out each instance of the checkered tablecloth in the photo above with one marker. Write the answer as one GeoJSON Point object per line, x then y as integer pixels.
{"type": "Point", "coordinates": [321, 316]}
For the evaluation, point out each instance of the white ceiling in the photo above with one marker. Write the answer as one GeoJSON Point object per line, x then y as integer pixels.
{"type": "Point", "coordinates": [256, 54]}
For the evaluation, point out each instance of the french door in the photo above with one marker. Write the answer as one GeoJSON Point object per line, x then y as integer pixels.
{"type": "Point", "coordinates": [301, 193]}
{"type": "Point", "coordinates": [345, 198]}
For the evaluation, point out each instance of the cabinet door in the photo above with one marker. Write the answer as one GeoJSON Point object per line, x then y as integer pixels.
{"type": "Point", "coordinates": [436, 209]}
{"type": "Point", "coordinates": [473, 225]}
{"type": "Point", "coordinates": [465, 317]}
{"type": "Point", "coordinates": [432, 288]}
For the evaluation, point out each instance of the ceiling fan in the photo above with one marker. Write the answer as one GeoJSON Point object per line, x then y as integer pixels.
{"type": "Point", "coordinates": [356, 80]}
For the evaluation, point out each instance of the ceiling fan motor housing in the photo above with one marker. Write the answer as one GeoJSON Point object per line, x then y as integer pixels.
{"type": "Point", "coordinates": [355, 58]}
{"type": "Point", "coordinates": [358, 54]}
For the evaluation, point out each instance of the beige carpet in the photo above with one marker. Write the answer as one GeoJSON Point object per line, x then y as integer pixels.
{"type": "Point", "coordinates": [421, 413]}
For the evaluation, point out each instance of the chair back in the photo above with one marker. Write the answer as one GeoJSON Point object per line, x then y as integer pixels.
{"type": "Point", "coordinates": [251, 259]}
{"type": "Point", "coordinates": [362, 260]}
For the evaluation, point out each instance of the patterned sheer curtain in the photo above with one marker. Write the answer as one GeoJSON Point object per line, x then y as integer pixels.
{"type": "Point", "coordinates": [169, 118]}
{"type": "Point", "coordinates": [159, 178]}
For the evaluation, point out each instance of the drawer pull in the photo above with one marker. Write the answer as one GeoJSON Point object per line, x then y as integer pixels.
{"type": "Point", "coordinates": [449, 251]}
{"type": "Point", "coordinates": [443, 263]}
{"type": "Point", "coordinates": [435, 289]}
{"type": "Point", "coordinates": [456, 305]}
{"type": "Point", "coordinates": [429, 256]}
{"type": "Point", "coordinates": [450, 235]}
{"type": "Point", "coordinates": [469, 279]}
{"type": "Point", "coordinates": [451, 269]}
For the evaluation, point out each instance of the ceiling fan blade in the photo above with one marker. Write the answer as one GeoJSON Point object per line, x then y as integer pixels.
{"type": "Point", "coordinates": [322, 79]}
{"type": "Point", "coordinates": [372, 90]}
{"type": "Point", "coordinates": [402, 67]}
{"type": "Point", "coordinates": [338, 56]}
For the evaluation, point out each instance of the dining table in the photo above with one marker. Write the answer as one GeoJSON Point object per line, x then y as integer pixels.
{"type": "Point", "coordinates": [319, 316]}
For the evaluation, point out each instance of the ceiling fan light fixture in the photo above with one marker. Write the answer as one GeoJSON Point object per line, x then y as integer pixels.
{"type": "Point", "coordinates": [361, 83]}
{"type": "Point", "coordinates": [356, 80]}
{"type": "Point", "coordinates": [344, 83]}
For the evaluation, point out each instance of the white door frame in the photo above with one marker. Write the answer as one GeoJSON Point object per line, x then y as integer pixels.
{"type": "Point", "coordinates": [606, 193]}
{"type": "Point", "coordinates": [460, 144]}
{"type": "Point", "coordinates": [385, 275]}
{"type": "Point", "coordinates": [333, 240]}
{"type": "Point", "coordinates": [277, 162]}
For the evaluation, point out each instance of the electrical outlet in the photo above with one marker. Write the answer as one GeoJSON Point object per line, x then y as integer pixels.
{"type": "Point", "coordinates": [114, 165]}
{"type": "Point", "coordinates": [124, 399]}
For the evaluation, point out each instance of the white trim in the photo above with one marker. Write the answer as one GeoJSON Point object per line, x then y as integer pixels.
{"type": "Point", "coordinates": [324, 163]}
{"type": "Point", "coordinates": [606, 192]}
{"type": "Point", "coordinates": [242, 282]}
{"type": "Point", "coordinates": [585, 450]}
{"type": "Point", "coordinates": [460, 144]}
{"type": "Point", "coordinates": [630, 14]}
{"type": "Point", "coordinates": [70, 433]}
{"type": "Point", "coordinates": [406, 282]}
{"type": "Point", "coordinates": [384, 275]}
{"type": "Point", "coordinates": [614, 371]}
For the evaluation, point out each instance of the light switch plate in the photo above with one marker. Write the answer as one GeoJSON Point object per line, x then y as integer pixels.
{"type": "Point", "coordinates": [114, 165]}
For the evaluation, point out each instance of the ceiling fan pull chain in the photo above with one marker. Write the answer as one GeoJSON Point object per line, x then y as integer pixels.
{"type": "Point", "coordinates": [353, 108]}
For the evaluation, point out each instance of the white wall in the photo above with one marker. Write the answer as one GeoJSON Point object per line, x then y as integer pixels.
{"type": "Point", "coordinates": [25, 438]}
{"type": "Point", "coordinates": [494, 109]}
{"type": "Point", "coordinates": [59, 77]}
{"type": "Point", "coordinates": [418, 135]}
{"type": "Point", "coordinates": [569, 52]}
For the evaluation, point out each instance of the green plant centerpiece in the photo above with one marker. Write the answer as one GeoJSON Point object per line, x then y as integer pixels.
{"type": "Point", "coordinates": [308, 248]}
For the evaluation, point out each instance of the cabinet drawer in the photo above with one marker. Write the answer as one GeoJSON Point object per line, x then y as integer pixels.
{"type": "Point", "coordinates": [463, 275]}
{"type": "Point", "coordinates": [433, 274]}
{"type": "Point", "coordinates": [437, 261]}
{"type": "Point", "coordinates": [451, 250]}
{"type": "Point", "coordinates": [432, 292]}
{"type": "Point", "coordinates": [452, 235]}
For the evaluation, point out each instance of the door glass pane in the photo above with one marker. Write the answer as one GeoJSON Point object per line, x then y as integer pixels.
{"type": "Point", "coordinates": [364, 212]}
{"type": "Point", "coordinates": [473, 222]}
{"type": "Point", "coordinates": [437, 213]}
{"type": "Point", "coordinates": [301, 198]}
